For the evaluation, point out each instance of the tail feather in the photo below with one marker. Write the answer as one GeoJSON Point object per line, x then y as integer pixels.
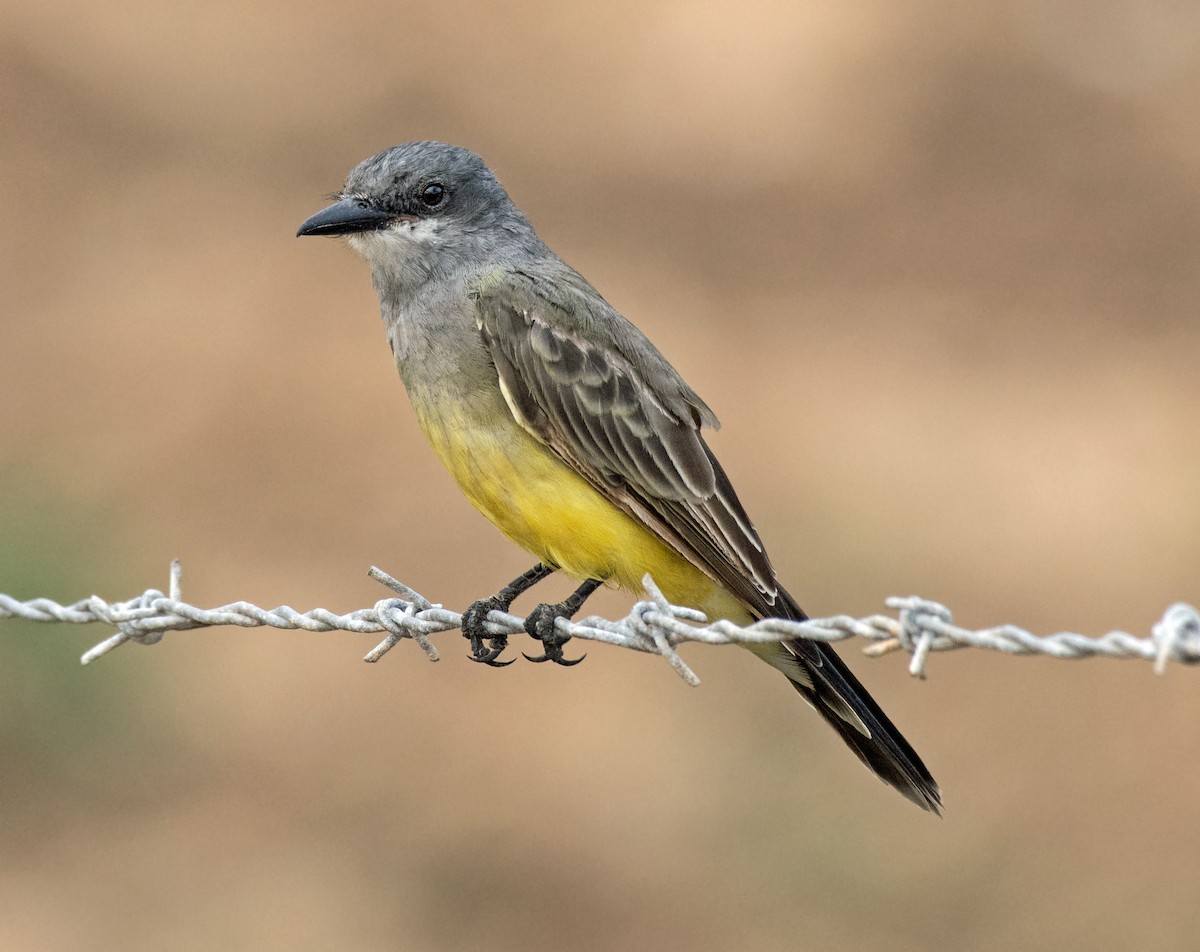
{"type": "Point", "coordinates": [824, 681]}
{"type": "Point", "coordinates": [884, 749]}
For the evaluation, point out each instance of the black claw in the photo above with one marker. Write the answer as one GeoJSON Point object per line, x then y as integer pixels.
{"type": "Point", "coordinates": [541, 625]}
{"type": "Point", "coordinates": [555, 655]}
{"type": "Point", "coordinates": [485, 647]}
{"type": "Point", "coordinates": [488, 655]}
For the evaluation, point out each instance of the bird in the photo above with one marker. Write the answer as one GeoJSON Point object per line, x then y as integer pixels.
{"type": "Point", "coordinates": [569, 430]}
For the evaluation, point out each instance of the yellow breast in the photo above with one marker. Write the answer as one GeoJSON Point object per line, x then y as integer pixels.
{"type": "Point", "coordinates": [545, 507]}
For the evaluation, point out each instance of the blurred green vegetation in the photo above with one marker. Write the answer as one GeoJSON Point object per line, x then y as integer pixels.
{"type": "Point", "coordinates": [57, 718]}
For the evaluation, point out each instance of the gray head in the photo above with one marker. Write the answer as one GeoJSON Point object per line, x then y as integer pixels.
{"type": "Point", "coordinates": [422, 210]}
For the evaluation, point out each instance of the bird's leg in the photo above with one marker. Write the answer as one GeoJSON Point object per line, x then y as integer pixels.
{"type": "Point", "coordinates": [541, 623]}
{"type": "Point", "coordinates": [475, 617]}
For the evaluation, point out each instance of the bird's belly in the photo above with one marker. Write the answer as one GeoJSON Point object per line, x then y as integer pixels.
{"type": "Point", "coordinates": [544, 506]}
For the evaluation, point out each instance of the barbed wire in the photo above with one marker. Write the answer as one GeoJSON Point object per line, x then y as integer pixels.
{"type": "Point", "coordinates": [653, 626]}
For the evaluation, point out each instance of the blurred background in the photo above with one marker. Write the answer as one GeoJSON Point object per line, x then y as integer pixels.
{"type": "Point", "coordinates": [937, 268]}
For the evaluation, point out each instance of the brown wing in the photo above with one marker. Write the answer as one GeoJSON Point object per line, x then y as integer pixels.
{"type": "Point", "coordinates": [623, 419]}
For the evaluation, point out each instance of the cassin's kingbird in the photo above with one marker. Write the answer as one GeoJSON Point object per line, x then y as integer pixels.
{"type": "Point", "coordinates": [567, 428]}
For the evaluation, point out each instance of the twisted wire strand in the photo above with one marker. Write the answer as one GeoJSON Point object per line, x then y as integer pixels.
{"type": "Point", "coordinates": [653, 626]}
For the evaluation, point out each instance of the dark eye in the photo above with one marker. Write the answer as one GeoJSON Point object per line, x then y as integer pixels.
{"type": "Point", "coordinates": [432, 195]}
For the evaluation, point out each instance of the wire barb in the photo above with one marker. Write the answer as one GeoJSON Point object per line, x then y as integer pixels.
{"type": "Point", "coordinates": [653, 626]}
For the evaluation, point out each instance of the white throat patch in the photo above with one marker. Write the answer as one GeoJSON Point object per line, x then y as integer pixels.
{"type": "Point", "coordinates": [403, 238]}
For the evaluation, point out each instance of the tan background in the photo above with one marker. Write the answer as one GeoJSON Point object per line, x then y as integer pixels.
{"type": "Point", "coordinates": [935, 266]}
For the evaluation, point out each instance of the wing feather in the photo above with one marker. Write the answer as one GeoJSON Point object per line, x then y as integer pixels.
{"type": "Point", "coordinates": [624, 420]}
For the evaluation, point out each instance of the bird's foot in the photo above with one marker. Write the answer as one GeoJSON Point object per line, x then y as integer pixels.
{"type": "Point", "coordinates": [486, 647]}
{"type": "Point", "coordinates": [541, 624]}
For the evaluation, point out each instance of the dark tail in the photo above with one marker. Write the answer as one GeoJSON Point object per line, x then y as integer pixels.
{"type": "Point", "coordinates": [823, 679]}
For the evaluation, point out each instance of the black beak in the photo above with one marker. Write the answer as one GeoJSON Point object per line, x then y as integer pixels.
{"type": "Point", "coordinates": [345, 218]}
